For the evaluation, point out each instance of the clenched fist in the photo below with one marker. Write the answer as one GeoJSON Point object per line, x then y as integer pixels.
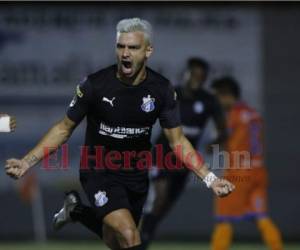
{"type": "Point", "coordinates": [8, 123]}
{"type": "Point", "coordinates": [222, 187]}
{"type": "Point", "coordinates": [16, 168]}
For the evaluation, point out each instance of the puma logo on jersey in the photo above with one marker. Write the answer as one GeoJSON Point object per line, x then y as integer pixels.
{"type": "Point", "coordinates": [105, 99]}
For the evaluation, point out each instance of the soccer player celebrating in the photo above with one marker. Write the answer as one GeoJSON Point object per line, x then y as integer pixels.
{"type": "Point", "coordinates": [196, 106]}
{"type": "Point", "coordinates": [121, 104]}
{"type": "Point", "coordinates": [7, 123]}
{"type": "Point", "coordinates": [247, 172]}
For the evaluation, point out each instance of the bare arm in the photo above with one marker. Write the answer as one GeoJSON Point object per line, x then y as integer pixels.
{"type": "Point", "coordinates": [54, 138]}
{"type": "Point", "coordinates": [192, 159]}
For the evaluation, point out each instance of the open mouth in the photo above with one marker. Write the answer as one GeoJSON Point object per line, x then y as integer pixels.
{"type": "Point", "coordinates": [127, 64]}
{"type": "Point", "coordinates": [127, 67]}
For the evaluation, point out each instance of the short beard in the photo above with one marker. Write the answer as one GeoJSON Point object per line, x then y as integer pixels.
{"type": "Point", "coordinates": [139, 67]}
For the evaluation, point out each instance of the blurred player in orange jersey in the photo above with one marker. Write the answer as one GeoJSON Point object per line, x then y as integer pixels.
{"type": "Point", "coordinates": [248, 173]}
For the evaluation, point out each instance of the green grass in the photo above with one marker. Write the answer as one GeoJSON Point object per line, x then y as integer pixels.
{"type": "Point", "coordinates": [157, 246]}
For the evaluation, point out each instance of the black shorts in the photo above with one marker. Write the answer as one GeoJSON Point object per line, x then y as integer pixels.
{"type": "Point", "coordinates": [108, 191]}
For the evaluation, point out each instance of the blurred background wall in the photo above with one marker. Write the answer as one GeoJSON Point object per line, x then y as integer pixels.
{"type": "Point", "coordinates": [46, 49]}
{"type": "Point", "coordinates": [281, 104]}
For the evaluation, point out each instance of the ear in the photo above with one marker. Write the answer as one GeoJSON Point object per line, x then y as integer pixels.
{"type": "Point", "coordinates": [149, 51]}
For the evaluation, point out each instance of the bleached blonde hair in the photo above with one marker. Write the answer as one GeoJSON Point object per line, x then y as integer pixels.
{"type": "Point", "coordinates": [136, 24]}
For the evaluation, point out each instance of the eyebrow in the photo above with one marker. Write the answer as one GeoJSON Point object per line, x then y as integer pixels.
{"type": "Point", "coordinates": [120, 45]}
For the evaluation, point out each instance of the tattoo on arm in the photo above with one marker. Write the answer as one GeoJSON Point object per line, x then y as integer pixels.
{"type": "Point", "coordinates": [31, 160]}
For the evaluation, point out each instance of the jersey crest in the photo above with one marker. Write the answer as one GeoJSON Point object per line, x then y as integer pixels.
{"type": "Point", "coordinates": [148, 104]}
{"type": "Point", "coordinates": [100, 198]}
{"type": "Point", "coordinates": [198, 107]}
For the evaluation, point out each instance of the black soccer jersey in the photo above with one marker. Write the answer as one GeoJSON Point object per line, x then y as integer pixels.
{"type": "Point", "coordinates": [195, 110]}
{"type": "Point", "coordinates": [121, 116]}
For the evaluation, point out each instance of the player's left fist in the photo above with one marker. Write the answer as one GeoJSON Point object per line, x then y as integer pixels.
{"type": "Point", "coordinates": [222, 187]}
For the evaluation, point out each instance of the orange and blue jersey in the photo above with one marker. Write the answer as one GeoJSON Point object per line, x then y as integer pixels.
{"type": "Point", "coordinates": [245, 167]}
{"type": "Point", "coordinates": [245, 135]}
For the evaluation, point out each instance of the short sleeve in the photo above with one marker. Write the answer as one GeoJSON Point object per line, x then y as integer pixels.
{"type": "Point", "coordinates": [79, 105]}
{"type": "Point", "coordinates": [169, 116]}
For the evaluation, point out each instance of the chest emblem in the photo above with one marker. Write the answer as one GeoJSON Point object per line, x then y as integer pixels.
{"type": "Point", "coordinates": [198, 107]}
{"type": "Point", "coordinates": [148, 104]}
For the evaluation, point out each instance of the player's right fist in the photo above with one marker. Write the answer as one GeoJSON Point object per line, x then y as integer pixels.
{"type": "Point", "coordinates": [7, 123]}
{"type": "Point", "coordinates": [16, 168]}
{"type": "Point", "coordinates": [12, 123]}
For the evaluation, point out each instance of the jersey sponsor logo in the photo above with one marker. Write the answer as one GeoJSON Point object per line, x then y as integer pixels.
{"type": "Point", "coordinates": [148, 104]}
{"type": "Point", "coordinates": [78, 92]}
{"type": "Point", "coordinates": [100, 198]}
{"type": "Point", "coordinates": [122, 132]}
{"type": "Point", "coordinates": [105, 99]}
{"type": "Point", "coordinates": [198, 107]}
